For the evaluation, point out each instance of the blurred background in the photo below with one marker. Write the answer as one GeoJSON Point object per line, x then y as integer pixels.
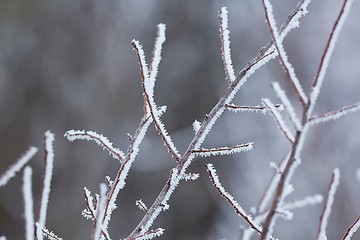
{"type": "Point", "coordinates": [70, 65]}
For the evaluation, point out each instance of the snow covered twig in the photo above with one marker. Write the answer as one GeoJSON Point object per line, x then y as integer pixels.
{"type": "Point", "coordinates": [328, 205]}
{"type": "Point", "coordinates": [204, 152]}
{"type": "Point", "coordinates": [100, 212]}
{"type": "Point", "coordinates": [261, 109]}
{"type": "Point", "coordinates": [29, 203]}
{"type": "Point", "coordinates": [17, 165]}
{"type": "Point", "coordinates": [352, 229]}
{"type": "Point", "coordinates": [99, 139]}
{"type": "Point", "coordinates": [49, 234]}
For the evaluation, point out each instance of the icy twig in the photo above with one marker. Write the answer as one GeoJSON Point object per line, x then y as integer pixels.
{"type": "Point", "coordinates": [191, 176]}
{"type": "Point", "coordinates": [328, 205]}
{"type": "Point", "coordinates": [49, 234]}
{"type": "Point", "coordinates": [141, 205]}
{"type": "Point", "coordinates": [148, 89]}
{"type": "Point", "coordinates": [329, 48]}
{"type": "Point", "coordinates": [265, 55]}
{"type": "Point", "coordinates": [289, 70]}
{"type": "Point", "coordinates": [29, 203]}
{"type": "Point", "coordinates": [225, 45]}
{"type": "Point", "coordinates": [47, 175]}
{"type": "Point", "coordinates": [150, 234]}
{"type": "Point", "coordinates": [153, 70]}
{"type": "Point", "coordinates": [352, 229]}
{"type": "Point", "coordinates": [100, 212]}
{"type": "Point", "coordinates": [216, 182]}
{"type": "Point", "coordinates": [261, 109]}
{"type": "Point", "coordinates": [285, 100]}
{"type": "Point", "coordinates": [204, 152]}
{"type": "Point", "coordinates": [17, 165]}
{"type": "Point", "coordinates": [334, 115]}
{"type": "Point", "coordinates": [99, 139]}
{"type": "Point", "coordinates": [309, 200]}
{"type": "Point", "coordinates": [279, 120]}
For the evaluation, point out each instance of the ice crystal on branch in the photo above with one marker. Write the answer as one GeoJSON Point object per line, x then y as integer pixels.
{"type": "Point", "coordinates": [204, 152]}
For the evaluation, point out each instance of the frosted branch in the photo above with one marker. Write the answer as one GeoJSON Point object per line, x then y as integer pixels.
{"type": "Point", "coordinates": [204, 152]}
{"type": "Point", "coordinates": [156, 55]}
{"type": "Point", "coordinates": [100, 212]}
{"type": "Point", "coordinates": [329, 48]}
{"type": "Point", "coordinates": [150, 234]}
{"type": "Point", "coordinates": [288, 106]}
{"type": "Point", "coordinates": [225, 45]}
{"type": "Point", "coordinates": [328, 205]}
{"type": "Point", "coordinates": [17, 166]}
{"type": "Point", "coordinates": [279, 120]}
{"type": "Point", "coordinates": [29, 203]}
{"type": "Point", "coordinates": [191, 176]}
{"type": "Point", "coordinates": [258, 108]}
{"type": "Point", "coordinates": [149, 97]}
{"type": "Point", "coordinates": [238, 209]}
{"type": "Point", "coordinates": [334, 115]}
{"type": "Point", "coordinates": [45, 192]}
{"type": "Point", "coordinates": [352, 229]}
{"type": "Point", "coordinates": [99, 139]}
{"type": "Point", "coordinates": [49, 234]}
{"type": "Point", "coordinates": [309, 200]}
{"type": "Point", "coordinates": [289, 70]}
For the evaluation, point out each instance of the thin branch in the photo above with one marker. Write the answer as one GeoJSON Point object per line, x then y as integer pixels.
{"type": "Point", "coordinates": [100, 212]}
{"type": "Point", "coordinates": [17, 166]}
{"type": "Point", "coordinates": [279, 120]}
{"type": "Point", "coordinates": [225, 45]}
{"type": "Point", "coordinates": [352, 229]}
{"type": "Point", "coordinates": [99, 139]}
{"type": "Point", "coordinates": [238, 209]}
{"type": "Point", "coordinates": [150, 234]}
{"type": "Point", "coordinates": [288, 106]}
{"type": "Point", "coordinates": [204, 152]}
{"type": "Point", "coordinates": [149, 97]}
{"type": "Point", "coordinates": [262, 109]}
{"type": "Point", "coordinates": [29, 203]}
{"type": "Point", "coordinates": [47, 176]}
{"type": "Point", "coordinates": [334, 115]}
{"type": "Point", "coordinates": [328, 205]}
{"type": "Point", "coordinates": [289, 70]}
{"type": "Point", "coordinates": [265, 55]}
{"type": "Point", "coordinates": [329, 48]}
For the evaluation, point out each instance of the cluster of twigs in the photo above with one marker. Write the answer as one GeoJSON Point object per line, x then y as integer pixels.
{"type": "Point", "coordinates": [99, 207]}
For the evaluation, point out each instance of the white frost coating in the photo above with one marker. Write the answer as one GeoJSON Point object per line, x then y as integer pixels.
{"type": "Point", "coordinates": [204, 152]}
{"type": "Point", "coordinates": [125, 169]}
{"type": "Point", "coordinates": [29, 204]}
{"type": "Point", "coordinates": [196, 126]}
{"type": "Point", "coordinates": [326, 58]}
{"type": "Point", "coordinates": [328, 204]}
{"type": "Point", "coordinates": [282, 54]}
{"type": "Point", "coordinates": [14, 168]}
{"type": "Point", "coordinates": [285, 100]}
{"type": "Point", "coordinates": [2, 238]}
{"type": "Point", "coordinates": [149, 96]}
{"type": "Point", "coordinates": [288, 189]}
{"type": "Point", "coordinates": [309, 200]}
{"type": "Point", "coordinates": [334, 115]}
{"type": "Point", "coordinates": [49, 234]}
{"type": "Point", "coordinates": [49, 164]}
{"type": "Point", "coordinates": [141, 205]}
{"type": "Point", "coordinates": [191, 176]}
{"type": "Point", "coordinates": [156, 55]}
{"type": "Point", "coordinates": [353, 228]}
{"type": "Point", "coordinates": [225, 40]}
{"type": "Point", "coordinates": [262, 109]}
{"type": "Point", "coordinates": [151, 234]}
{"type": "Point", "coordinates": [100, 211]}
{"type": "Point", "coordinates": [279, 120]}
{"type": "Point", "coordinates": [99, 139]}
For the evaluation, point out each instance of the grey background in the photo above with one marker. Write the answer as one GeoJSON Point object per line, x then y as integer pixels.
{"type": "Point", "coordinates": [70, 65]}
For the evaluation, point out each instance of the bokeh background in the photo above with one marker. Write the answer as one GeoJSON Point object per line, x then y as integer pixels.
{"type": "Point", "coordinates": [70, 65]}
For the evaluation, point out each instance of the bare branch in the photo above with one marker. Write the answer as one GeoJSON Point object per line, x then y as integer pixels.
{"type": "Point", "coordinates": [204, 152]}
